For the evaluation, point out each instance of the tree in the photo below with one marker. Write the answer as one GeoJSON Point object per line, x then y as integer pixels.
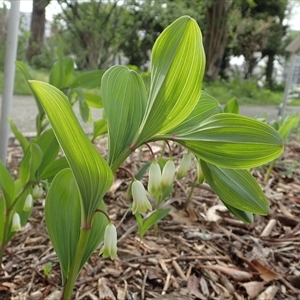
{"type": "Point", "coordinates": [91, 31]}
{"type": "Point", "coordinates": [216, 36]}
{"type": "Point", "coordinates": [100, 33]}
{"type": "Point", "coordinates": [259, 33]}
{"type": "Point", "coordinates": [146, 19]}
{"type": "Point", "coordinates": [37, 28]}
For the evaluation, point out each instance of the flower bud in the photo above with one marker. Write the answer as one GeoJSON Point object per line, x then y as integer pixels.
{"type": "Point", "coordinates": [28, 203]}
{"type": "Point", "coordinates": [140, 201]}
{"type": "Point", "coordinates": [37, 192]}
{"type": "Point", "coordinates": [168, 173]}
{"type": "Point", "coordinates": [16, 223]}
{"type": "Point", "coordinates": [154, 179]}
{"type": "Point", "coordinates": [184, 165]}
{"type": "Point", "coordinates": [109, 248]}
{"type": "Point", "coordinates": [200, 175]}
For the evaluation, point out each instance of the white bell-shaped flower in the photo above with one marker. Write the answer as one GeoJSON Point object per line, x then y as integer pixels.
{"type": "Point", "coordinates": [16, 222]}
{"type": "Point", "coordinates": [28, 203]}
{"type": "Point", "coordinates": [37, 192]}
{"type": "Point", "coordinates": [168, 174]}
{"type": "Point", "coordinates": [154, 179]}
{"type": "Point", "coordinates": [140, 201]}
{"type": "Point", "coordinates": [109, 248]}
{"type": "Point", "coordinates": [200, 175]}
{"type": "Point", "coordinates": [184, 165]}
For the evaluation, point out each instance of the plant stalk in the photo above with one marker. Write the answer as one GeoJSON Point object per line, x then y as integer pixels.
{"type": "Point", "coordinates": [4, 241]}
{"type": "Point", "coordinates": [268, 174]}
{"type": "Point", "coordinates": [188, 200]}
{"type": "Point", "coordinates": [75, 267]}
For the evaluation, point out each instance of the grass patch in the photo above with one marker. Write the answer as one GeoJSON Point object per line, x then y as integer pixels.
{"type": "Point", "coordinates": [246, 92]}
{"type": "Point", "coordinates": [20, 84]}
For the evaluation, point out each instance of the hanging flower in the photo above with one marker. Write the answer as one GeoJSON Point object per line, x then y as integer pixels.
{"type": "Point", "coordinates": [109, 248]}
{"type": "Point", "coordinates": [37, 192]}
{"type": "Point", "coordinates": [16, 223]}
{"type": "Point", "coordinates": [28, 203]}
{"type": "Point", "coordinates": [154, 179]}
{"type": "Point", "coordinates": [140, 201]}
{"type": "Point", "coordinates": [200, 175]}
{"type": "Point", "coordinates": [184, 165]}
{"type": "Point", "coordinates": [168, 173]}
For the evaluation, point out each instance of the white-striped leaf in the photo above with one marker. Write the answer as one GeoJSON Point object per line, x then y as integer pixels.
{"type": "Point", "coordinates": [92, 174]}
{"type": "Point", "coordinates": [233, 141]}
{"type": "Point", "coordinates": [177, 68]}
{"type": "Point", "coordinates": [124, 98]}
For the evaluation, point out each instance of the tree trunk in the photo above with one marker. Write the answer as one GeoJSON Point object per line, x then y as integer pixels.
{"type": "Point", "coordinates": [216, 37]}
{"type": "Point", "coordinates": [269, 69]}
{"type": "Point", "coordinates": [37, 28]}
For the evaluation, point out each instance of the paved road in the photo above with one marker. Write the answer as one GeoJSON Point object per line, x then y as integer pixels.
{"type": "Point", "coordinates": [24, 112]}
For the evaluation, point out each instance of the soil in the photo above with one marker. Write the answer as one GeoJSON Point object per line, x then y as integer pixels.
{"type": "Point", "coordinates": [200, 252]}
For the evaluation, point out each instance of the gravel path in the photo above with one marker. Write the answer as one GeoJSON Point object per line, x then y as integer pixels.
{"type": "Point", "coordinates": [24, 111]}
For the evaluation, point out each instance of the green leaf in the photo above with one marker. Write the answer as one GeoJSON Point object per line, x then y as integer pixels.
{"type": "Point", "coordinates": [19, 136]}
{"type": "Point", "coordinates": [153, 219]}
{"type": "Point", "coordinates": [49, 146]}
{"type": "Point", "coordinates": [288, 124]}
{"type": "Point", "coordinates": [30, 163]}
{"type": "Point", "coordinates": [6, 184]}
{"type": "Point", "coordinates": [233, 141]}
{"type": "Point", "coordinates": [207, 106]}
{"type": "Point", "coordinates": [3, 217]}
{"type": "Point", "coordinates": [93, 100]}
{"type": "Point", "coordinates": [177, 68]}
{"type": "Point", "coordinates": [54, 168]}
{"type": "Point", "coordinates": [244, 216]}
{"type": "Point", "coordinates": [23, 68]}
{"type": "Point", "coordinates": [100, 127]}
{"type": "Point", "coordinates": [62, 215]}
{"type": "Point", "coordinates": [232, 106]}
{"type": "Point", "coordinates": [19, 207]}
{"type": "Point", "coordinates": [124, 99]}
{"type": "Point", "coordinates": [83, 107]}
{"type": "Point", "coordinates": [236, 188]}
{"type": "Point", "coordinates": [99, 224]}
{"type": "Point", "coordinates": [139, 220]}
{"type": "Point", "coordinates": [92, 174]}
{"type": "Point", "coordinates": [61, 73]}
{"type": "Point", "coordinates": [88, 80]}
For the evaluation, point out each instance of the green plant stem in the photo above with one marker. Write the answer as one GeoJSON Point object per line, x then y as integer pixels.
{"type": "Point", "coordinates": [14, 203]}
{"type": "Point", "coordinates": [188, 200]}
{"type": "Point", "coordinates": [3, 243]}
{"type": "Point", "coordinates": [2, 248]}
{"type": "Point", "coordinates": [268, 174]}
{"type": "Point", "coordinates": [75, 267]}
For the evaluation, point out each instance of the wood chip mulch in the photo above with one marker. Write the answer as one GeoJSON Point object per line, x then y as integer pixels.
{"type": "Point", "coordinates": [200, 252]}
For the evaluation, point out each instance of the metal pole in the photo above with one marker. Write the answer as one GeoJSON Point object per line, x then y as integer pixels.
{"type": "Point", "coordinates": [9, 75]}
{"type": "Point", "coordinates": [287, 85]}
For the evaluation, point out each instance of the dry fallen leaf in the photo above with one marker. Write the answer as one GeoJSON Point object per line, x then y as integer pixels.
{"type": "Point", "coordinates": [265, 273]}
{"type": "Point", "coordinates": [194, 287]}
{"type": "Point", "coordinates": [105, 292]}
{"type": "Point", "coordinates": [268, 294]}
{"type": "Point", "coordinates": [253, 288]}
{"type": "Point", "coordinates": [236, 274]}
{"type": "Point", "coordinates": [211, 214]}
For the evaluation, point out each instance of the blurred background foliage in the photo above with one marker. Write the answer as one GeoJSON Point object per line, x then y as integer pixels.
{"type": "Point", "coordinates": [100, 33]}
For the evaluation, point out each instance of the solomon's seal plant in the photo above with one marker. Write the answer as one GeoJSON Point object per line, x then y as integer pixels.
{"type": "Point", "coordinates": [226, 145]}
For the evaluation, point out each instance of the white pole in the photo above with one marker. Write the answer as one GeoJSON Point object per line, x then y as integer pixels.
{"type": "Point", "coordinates": [9, 75]}
{"type": "Point", "coordinates": [288, 85]}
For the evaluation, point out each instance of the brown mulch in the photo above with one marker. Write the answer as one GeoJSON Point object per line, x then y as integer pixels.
{"type": "Point", "coordinates": [201, 252]}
